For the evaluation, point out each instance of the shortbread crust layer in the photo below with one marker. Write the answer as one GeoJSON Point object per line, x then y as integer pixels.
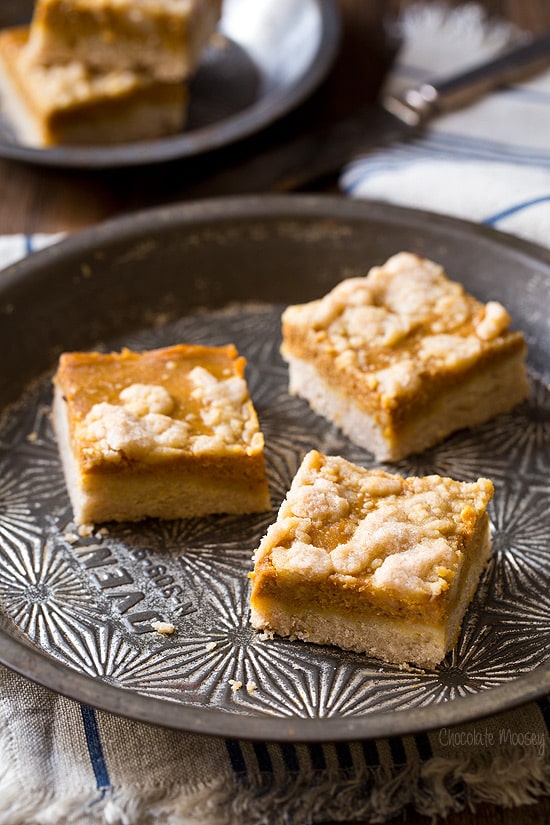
{"type": "Point", "coordinates": [372, 562]}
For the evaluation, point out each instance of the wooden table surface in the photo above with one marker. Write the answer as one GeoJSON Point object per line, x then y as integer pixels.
{"type": "Point", "coordinates": [47, 200]}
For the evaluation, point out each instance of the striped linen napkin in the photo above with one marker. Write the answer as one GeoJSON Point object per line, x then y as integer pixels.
{"type": "Point", "coordinates": [488, 163]}
{"type": "Point", "coordinates": [63, 763]}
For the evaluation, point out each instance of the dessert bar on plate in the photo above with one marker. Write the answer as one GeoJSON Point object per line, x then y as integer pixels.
{"type": "Point", "coordinates": [166, 433]}
{"type": "Point", "coordinates": [163, 38]}
{"type": "Point", "coordinates": [372, 562]}
{"type": "Point", "coordinates": [402, 357]}
{"type": "Point", "coordinates": [71, 103]}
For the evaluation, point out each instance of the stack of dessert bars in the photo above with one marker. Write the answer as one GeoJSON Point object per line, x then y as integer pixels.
{"type": "Point", "coordinates": [103, 71]}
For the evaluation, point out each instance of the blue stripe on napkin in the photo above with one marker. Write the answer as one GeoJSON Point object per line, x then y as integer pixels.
{"type": "Point", "coordinates": [513, 210]}
{"type": "Point", "coordinates": [544, 706]}
{"type": "Point", "coordinates": [236, 756]}
{"type": "Point", "coordinates": [397, 750]}
{"type": "Point", "coordinates": [345, 759]}
{"type": "Point", "coordinates": [263, 758]}
{"type": "Point", "coordinates": [370, 754]}
{"type": "Point", "coordinates": [290, 758]}
{"type": "Point", "coordinates": [317, 756]}
{"type": "Point", "coordinates": [423, 746]}
{"type": "Point", "coordinates": [95, 748]}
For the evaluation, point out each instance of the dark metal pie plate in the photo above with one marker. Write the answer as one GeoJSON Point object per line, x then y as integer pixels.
{"type": "Point", "coordinates": [270, 57]}
{"type": "Point", "coordinates": [76, 610]}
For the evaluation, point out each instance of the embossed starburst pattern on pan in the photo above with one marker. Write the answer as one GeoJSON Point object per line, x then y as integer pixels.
{"type": "Point", "coordinates": [89, 599]}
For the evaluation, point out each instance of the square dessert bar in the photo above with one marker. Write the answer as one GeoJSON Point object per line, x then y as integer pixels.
{"type": "Point", "coordinates": [164, 38]}
{"type": "Point", "coordinates": [402, 357]}
{"type": "Point", "coordinates": [372, 562]}
{"type": "Point", "coordinates": [72, 104]}
{"type": "Point", "coordinates": [167, 433]}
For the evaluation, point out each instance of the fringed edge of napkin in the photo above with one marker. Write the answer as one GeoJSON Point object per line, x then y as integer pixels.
{"type": "Point", "coordinates": [436, 788]}
{"type": "Point", "coordinates": [518, 776]}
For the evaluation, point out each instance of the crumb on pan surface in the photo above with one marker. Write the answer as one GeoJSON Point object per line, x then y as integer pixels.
{"type": "Point", "coordinates": [164, 628]}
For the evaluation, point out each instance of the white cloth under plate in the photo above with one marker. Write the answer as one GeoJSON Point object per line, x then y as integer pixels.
{"type": "Point", "coordinates": [488, 162]}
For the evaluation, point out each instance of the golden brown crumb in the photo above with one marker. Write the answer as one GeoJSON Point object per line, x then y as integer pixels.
{"type": "Point", "coordinates": [164, 628]}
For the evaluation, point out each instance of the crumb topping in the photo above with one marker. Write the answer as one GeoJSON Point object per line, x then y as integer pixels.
{"type": "Point", "coordinates": [142, 399]}
{"type": "Point", "coordinates": [223, 409]}
{"type": "Point", "coordinates": [403, 320]}
{"type": "Point", "coordinates": [403, 536]}
{"type": "Point", "coordinates": [198, 405]}
{"type": "Point", "coordinates": [110, 430]}
{"type": "Point", "coordinates": [493, 321]}
{"type": "Point", "coordinates": [142, 424]}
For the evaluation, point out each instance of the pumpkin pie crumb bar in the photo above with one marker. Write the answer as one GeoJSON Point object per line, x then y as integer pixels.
{"type": "Point", "coordinates": [372, 562]}
{"type": "Point", "coordinates": [402, 357]}
{"type": "Point", "coordinates": [71, 104]}
{"type": "Point", "coordinates": [163, 38]}
{"type": "Point", "coordinates": [167, 433]}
